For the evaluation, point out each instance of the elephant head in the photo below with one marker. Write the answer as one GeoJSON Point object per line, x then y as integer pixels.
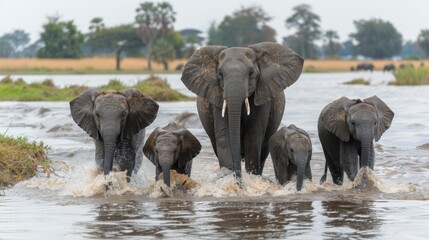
{"type": "Point", "coordinates": [171, 147]}
{"type": "Point", "coordinates": [111, 116]}
{"type": "Point", "coordinates": [291, 151]}
{"type": "Point", "coordinates": [357, 123]}
{"type": "Point", "coordinates": [229, 77]}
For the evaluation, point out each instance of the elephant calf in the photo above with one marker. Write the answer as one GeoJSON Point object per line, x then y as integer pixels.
{"type": "Point", "coordinates": [171, 147]}
{"type": "Point", "coordinates": [291, 149]}
{"type": "Point", "coordinates": [116, 120]}
{"type": "Point", "coordinates": [347, 129]}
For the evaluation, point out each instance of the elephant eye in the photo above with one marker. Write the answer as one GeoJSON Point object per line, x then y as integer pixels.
{"type": "Point", "coordinates": [97, 115]}
{"type": "Point", "coordinates": [352, 122]}
{"type": "Point", "coordinates": [291, 150]}
{"type": "Point", "coordinates": [251, 72]}
{"type": "Point", "coordinates": [220, 73]}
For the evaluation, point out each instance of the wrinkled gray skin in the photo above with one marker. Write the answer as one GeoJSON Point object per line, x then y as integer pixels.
{"type": "Point", "coordinates": [171, 147]}
{"type": "Point", "coordinates": [291, 150]}
{"type": "Point", "coordinates": [347, 129]}
{"type": "Point", "coordinates": [116, 121]}
{"type": "Point", "coordinates": [260, 73]}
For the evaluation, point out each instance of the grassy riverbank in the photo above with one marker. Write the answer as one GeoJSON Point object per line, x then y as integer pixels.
{"type": "Point", "coordinates": [411, 76]}
{"type": "Point", "coordinates": [19, 90]}
{"type": "Point", "coordinates": [20, 158]}
{"type": "Point", "coordinates": [106, 65]}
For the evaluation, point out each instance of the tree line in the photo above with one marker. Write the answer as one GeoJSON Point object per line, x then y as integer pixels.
{"type": "Point", "coordinates": [152, 35]}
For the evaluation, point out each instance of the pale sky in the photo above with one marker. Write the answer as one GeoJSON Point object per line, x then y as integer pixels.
{"type": "Point", "coordinates": [409, 17]}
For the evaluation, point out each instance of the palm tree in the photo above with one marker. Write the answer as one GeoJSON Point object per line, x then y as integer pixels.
{"type": "Point", "coordinates": [331, 36]}
{"type": "Point", "coordinates": [96, 24]}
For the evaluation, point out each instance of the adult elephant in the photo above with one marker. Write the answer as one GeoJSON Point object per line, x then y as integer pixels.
{"type": "Point", "coordinates": [347, 129]}
{"type": "Point", "coordinates": [116, 121]}
{"type": "Point", "coordinates": [240, 98]}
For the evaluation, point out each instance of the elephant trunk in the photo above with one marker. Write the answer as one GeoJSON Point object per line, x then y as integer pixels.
{"type": "Point", "coordinates": [236, 91]}
{"type": "Point", "coordinates": [301, 167]}
{"type": "Point", "coordinates": [367, 153]}
{"type": "Point", "coordinates": [109, 153]}
{"type": "Point", "coordinates": [166, 164]}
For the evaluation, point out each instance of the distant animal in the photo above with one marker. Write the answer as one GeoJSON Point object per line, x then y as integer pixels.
{"type": "Point", "coordinates": [171, 148]}
{"type": "Point", "coordinates": [241, 98]}
{"type": "Point", "coordinates": [406, 65]}
{"type": "Point", "coordinates": [179, 67]}
{"type": "Point", "coordinates": [365, 67]}
{"type": "Point", "coordinates": [347, 129]}
{"type": "Point", "coordinates": [291, 149]}
{"type": "Point", "coordinates": [116, 120]}
{"type": "Point", "coordinates": [389, 67]}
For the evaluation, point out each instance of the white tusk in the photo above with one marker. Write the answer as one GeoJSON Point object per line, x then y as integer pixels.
{"type": "Point", "coordinates": [224, 108]}
{"type": "Point", "coordinates": [247, 106]}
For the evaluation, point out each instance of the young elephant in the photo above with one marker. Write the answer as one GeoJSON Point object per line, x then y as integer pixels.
{"type": "Point", "coordinates": [347, 129]}
{"type": "Point", "coordinates": [291, 150]}
{"type": "Point", "coordinates": [116, 121]}
{"type": "Point", "coordinates": [171, 147]}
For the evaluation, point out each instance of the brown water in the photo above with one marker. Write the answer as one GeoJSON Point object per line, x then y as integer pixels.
{"type": "Point", "coordinates": [73, 203]}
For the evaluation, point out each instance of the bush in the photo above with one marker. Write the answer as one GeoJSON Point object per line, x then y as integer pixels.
{"type": "Point", "coordinates": [411, 76]}
{"type": "Point", "coordinates": [358, 81]}
{"type": "Point", "coordinates": [19, 159]}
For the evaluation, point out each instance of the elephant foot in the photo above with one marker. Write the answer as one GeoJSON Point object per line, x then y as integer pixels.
{"type": "Point", "coordinates": [166, 190]}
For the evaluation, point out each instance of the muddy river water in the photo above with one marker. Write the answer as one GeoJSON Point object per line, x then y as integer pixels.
{"type": "Point", "coordinates": [73, 203]}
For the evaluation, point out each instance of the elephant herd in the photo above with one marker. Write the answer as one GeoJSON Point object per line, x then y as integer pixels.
{"type": "Point", "coordinates": [240, 102]}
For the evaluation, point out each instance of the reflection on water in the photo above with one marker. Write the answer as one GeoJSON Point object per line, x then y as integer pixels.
{"type": "Point", "coordinates": [74, 205]}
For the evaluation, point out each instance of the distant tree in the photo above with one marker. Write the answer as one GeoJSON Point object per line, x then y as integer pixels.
{"type": "Point", "coordinates": [376, 39]}
{"type": "Point", "coordinates": [18, 40]}
{"type": "Point", "coordinates": [307, 25]}
{"type": "Point", "coordinates": [154, 21]}
{"type": "Point", "coordinates": [167, 48]}
{"type": "Point", "coordinates": [115, 40]}
{"type": "Point", "coordinates": [96, 24]}
{"type": "Point", "coordinates": [346, 50]}
{"type": "Point", "coordinates": [332, 47]}
{"type": "Point", "coordinates": [245, 26]}
{"type": "Point", "coordinates": [31, 49]}
{"type": "Point", "coordinates": [191, 40]}
{"type": "Point", "coordinates": [412, 50]}
{"type": "Point", "coordinates": [61, 39]}
{"type": "Point", "coordinates": [213, 35]}
{"type": "Point", "coordinates": [6, 48]}
{"type": "Point", "coordinates": [423, 41]}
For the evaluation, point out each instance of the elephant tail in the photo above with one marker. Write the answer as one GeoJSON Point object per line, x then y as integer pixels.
{"type": "Point", "coordinates": [323, 178]}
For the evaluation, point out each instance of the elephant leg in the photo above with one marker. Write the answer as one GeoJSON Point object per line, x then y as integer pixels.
{"type": "Point", "coordinates": [138, 143]}
{"type": "Point", "coordinates": [308, 174]}
{"type": "Point", "coordinates": [125, 156]}
{"type": "Point", "coordinates": [158, 171]}
{"type": "Point", "coordinates": [205, 113]}
{"type": "Point", "coordinates": [331, 150]}
{"type": "Point", "coordinates": [222, 147]}
{"type": "Point", "coordinates": [291, 171]}
{"type": "Point", "coordinates": [254, 139]}
{"type": "Point", "coordinates": [99, 153]}
{"type": "Point", "coordinates": [349, 158]}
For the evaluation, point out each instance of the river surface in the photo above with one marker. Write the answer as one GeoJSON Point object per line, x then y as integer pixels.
{"type": "Point", "coordinates": [73, 203]}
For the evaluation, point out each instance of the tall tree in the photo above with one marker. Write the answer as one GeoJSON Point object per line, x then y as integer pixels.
{"type": "Point", "coordinates": [154, 21]}
{"type": "Point", "coordinates": [6, 48]}
{"type": "Point", "coordinates": [332, 47]}
{"type": "Point", "coordinates": [245, 26]}
{"type": "Point", "coordinates": [307, 25]}
{"type": "Point", "coordinates": [115, 40]}
{"type": "Point", "coordinates": [423, 41]}
{"type": "Point", "coordinates": [191, 40]}
{"type": "Point", "coordinates": [96, 24]}
{"type": "Point", "coordinates": [376, 39]}
{"type": "Point", "coordinates": [61, 39]}
{"type": "Point", "coordinates": [18, 40]}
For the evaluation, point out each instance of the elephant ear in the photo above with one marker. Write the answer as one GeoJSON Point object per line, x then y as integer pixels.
{"type": "Point", "coordinates": [384, 114]}
{"type": "Point", "coordinates": [277, 145]}
{"type": "Point", "coordinates": [334, 118]}
{"type": "Point", "coordinates": [82, 108]}
{"type": "Point", "coordinates": [279, 68]}
{"type": "Point", "coordinates": [142, 112]}
{"type": "Point", "coordinates": [149, 146]}
{"type": "Point", "coordinates": [190, 147]}
{"type": "Point", "coordinates": [200, 74]}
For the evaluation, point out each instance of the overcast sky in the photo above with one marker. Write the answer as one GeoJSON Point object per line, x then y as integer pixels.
{"type": "Point", "coordinates": [409, 17]}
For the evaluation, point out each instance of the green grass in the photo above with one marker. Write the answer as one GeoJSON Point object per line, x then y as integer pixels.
{"type": "Point", "coordinates": [358, 81]}
{"type": "Point", "coordinates": [20, 158]}
{"type": "Point", "coordinates": [411, 76]}
{"type": "Point", "coordinates": [18, 90]}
